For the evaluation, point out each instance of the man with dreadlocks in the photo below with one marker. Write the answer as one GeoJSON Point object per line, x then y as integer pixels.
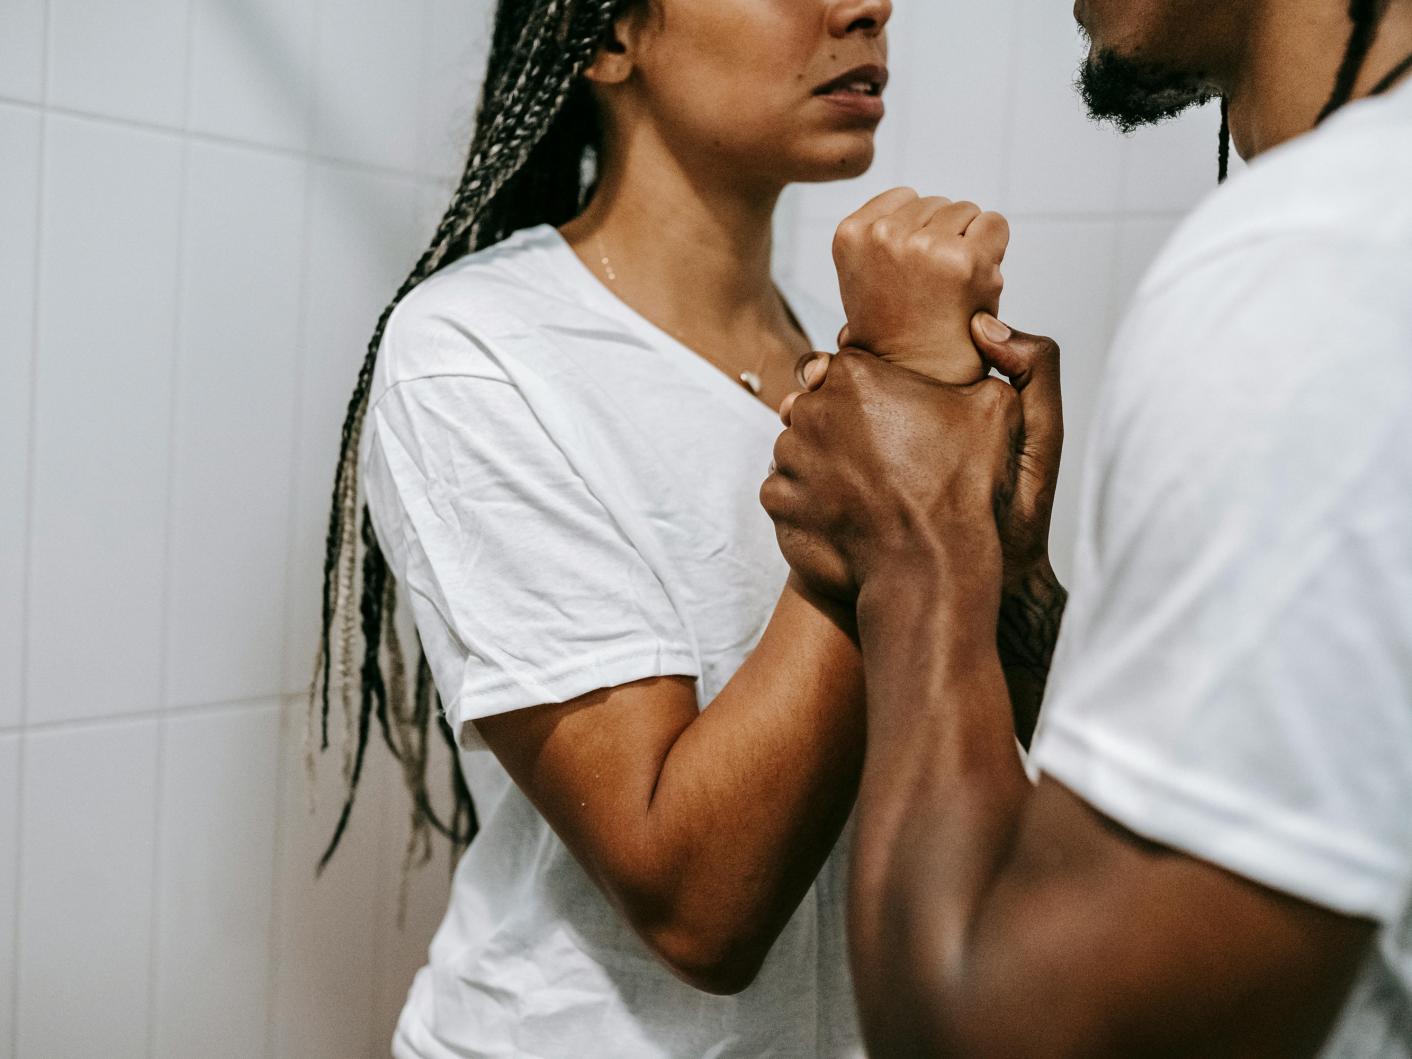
{"type": "Point", "coordinates": [1211, 853]}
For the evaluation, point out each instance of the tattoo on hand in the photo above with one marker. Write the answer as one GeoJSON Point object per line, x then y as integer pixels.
{"type": "Point", "coordinates": [1030, 614]}
{"type": "Point", "coordinates": [1029, 622]}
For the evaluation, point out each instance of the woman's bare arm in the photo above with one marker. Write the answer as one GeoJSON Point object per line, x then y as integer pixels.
{"type": "Point", "coordinates": [706, 828]}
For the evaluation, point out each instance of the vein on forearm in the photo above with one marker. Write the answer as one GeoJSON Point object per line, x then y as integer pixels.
{"type": "Point", "coordinates": [941, 795]}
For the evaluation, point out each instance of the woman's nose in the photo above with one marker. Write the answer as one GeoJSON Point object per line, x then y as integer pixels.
{"type": "Point", "coordinates": [868, 17]}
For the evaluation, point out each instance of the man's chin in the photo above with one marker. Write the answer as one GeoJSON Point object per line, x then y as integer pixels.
{"type": "Point", "coordinates": [1131, 93]}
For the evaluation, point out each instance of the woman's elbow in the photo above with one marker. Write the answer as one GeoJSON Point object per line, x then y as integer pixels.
{"type": "Point", "coordinates": [713, 961]}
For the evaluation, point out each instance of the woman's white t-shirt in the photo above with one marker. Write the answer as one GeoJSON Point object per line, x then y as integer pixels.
{"type": "Point", "coordinates": [568, 498]}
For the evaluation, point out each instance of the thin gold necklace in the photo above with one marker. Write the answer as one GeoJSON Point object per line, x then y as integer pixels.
{"type": "Point", "coordinates": [751, 380]}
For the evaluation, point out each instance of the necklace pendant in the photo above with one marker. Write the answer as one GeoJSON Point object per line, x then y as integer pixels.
{"type": "Point", "coordinates": [751, 381]}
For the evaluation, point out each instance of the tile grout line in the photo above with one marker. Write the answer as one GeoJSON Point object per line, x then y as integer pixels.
{"type": "Point", "coordinates": [1012, 90]}
{"type": "Point", "coordinates": [179, 329]}
{"type": "Point", "coordinates": [201, 709]}
{"type": "Point", "coordinates": [289, 717]}
{"type": "Point", "coordinates": [27, 578]}
{"type": "Point", "coordinates": [224, 140]}
{"type": "Point", "coordinates": [384, 901]}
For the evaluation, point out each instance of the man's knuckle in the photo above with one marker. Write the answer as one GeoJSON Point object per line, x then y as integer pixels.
{"type": "Point", "coordinates": [772, 495]}
{"type": "Point", "coordinates": [998, 397]}
{"type": "Point", "coordinates": [850, 366]}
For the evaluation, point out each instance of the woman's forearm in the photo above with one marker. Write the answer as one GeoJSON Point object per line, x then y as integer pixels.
{"type": "Point", "coordinates": [752, 795]}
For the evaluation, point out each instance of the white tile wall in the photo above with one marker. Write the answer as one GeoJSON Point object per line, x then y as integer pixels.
{"type": "Point", "coordinates": [216, 883]}
{"type": "Point", "coordinates": [326, 954]}
{"type": "Point", "coordinates": [9, 885]}
{"type": "Point", "coordinates": [1170, 167]}
{"type": "Point", "coordinates": [22, 49]}
{"type": "Point", "coordinates": [959, 95]}
{"type": "Point", "coordinates": [251, 70]}
{"type": "Point", "coordinates": [458, 41]}
{"type": "Point", "coordinates": [368, 64]}
{"type": "Point", "coordinates": [1057, 160]}
{"type": "Point", "coordinates": [122, 58]}
{"type": "Point", "coordinates": [363, 240]}
{"type": "Point", "coordinates": [235, 415]}
{"type": "Point", "coordinates": [89, 819]}
{"type": "Point", "coordinates": [107, 312]}
{"type": "Point", "coordinates": [230, 193]}
{"type": "Point", "coordinates": [1059, 282]}
{"type": "Point", "coordinates": [19, 190]}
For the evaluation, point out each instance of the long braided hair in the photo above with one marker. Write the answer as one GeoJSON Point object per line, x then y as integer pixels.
{"type": "Point", "coordinates": [1365, 16]}
{"type": "Point", "coordinates": [535, 130]}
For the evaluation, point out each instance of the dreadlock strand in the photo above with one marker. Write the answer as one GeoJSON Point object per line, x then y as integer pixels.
{"type": "Point", "coordinates": [1223, 149]}
{"type": "Point", "coordinates": [375, 578]}
{"type": "Point", "coordinates": [1365, 16]}
{"type": "Point", "coordinates": [534, 127]}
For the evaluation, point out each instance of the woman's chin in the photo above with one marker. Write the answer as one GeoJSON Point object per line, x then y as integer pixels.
{"type": "Point", "coordinates": [843, 162]}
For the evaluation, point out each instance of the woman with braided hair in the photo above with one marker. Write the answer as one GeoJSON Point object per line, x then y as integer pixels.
{"type": "Point", "coordinates": [560, 430]}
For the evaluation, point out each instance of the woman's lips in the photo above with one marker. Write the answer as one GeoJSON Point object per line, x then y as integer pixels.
{"type": "Point", "coordinates": [859, 103]}
{"type": "Point", "coordinates": [859, 91]}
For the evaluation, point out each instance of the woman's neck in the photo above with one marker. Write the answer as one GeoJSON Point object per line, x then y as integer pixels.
{"type": "Point", "coordinates": [683, 245]}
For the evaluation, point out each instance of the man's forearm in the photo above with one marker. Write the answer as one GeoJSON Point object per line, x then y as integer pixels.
{"type": "Point", "coordinates": [941, 794]}
{"type": "Point", "coordinates": [1030, 613]}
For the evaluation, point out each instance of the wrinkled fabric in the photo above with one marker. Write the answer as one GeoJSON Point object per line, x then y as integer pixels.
{"type": "Point", "coordinates": [1234, 673]}
{"type": "Point", "coordinates": [569, 500]}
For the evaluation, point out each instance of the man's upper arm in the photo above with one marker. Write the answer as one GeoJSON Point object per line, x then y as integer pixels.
{"type": "Point", "coordinates": [1096, 941]}
{"type": "Point", "coordinates": [1235, 678]}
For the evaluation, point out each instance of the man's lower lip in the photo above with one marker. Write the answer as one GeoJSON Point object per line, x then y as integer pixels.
{"type": "Point", "coordinates": [856, 103]}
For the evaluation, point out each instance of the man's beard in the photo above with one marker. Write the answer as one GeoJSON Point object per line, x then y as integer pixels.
{"type": "Point", "coordinates": [1131, 93]}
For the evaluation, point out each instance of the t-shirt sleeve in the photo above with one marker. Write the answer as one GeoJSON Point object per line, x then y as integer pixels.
{"type": "Point", "coordinates": [524, 588]}
{"type": "Point", "coordinates": [1237, 679]}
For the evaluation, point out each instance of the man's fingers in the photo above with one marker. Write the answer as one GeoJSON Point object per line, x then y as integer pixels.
{"type": "Point", "coordinates": [787, 407]}
{"type": "Point", "coordinates": [810, 369]}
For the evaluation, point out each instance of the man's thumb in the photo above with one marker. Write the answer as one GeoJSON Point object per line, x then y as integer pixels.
{"type": "Point", "coordinates": [1021, 358]}
{"type": "Point", "coordinates": [1031, 363]}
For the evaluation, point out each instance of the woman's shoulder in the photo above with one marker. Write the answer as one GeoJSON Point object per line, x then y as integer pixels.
{"type": "Point", "coordinates": [452, 322]}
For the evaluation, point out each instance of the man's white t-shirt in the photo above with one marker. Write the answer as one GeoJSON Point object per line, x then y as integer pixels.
{"type": "Point", "coordinates": [569, 499]}
{"type": "Point", "coordinates": [1234, 674]}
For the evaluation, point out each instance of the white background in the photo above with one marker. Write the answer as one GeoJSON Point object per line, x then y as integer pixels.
{"type": "Point", "coordinates": [204, 204]}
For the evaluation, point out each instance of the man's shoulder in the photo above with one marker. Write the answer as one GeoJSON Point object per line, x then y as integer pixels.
{"type": "Point", "coordinates": [1344, 183]}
